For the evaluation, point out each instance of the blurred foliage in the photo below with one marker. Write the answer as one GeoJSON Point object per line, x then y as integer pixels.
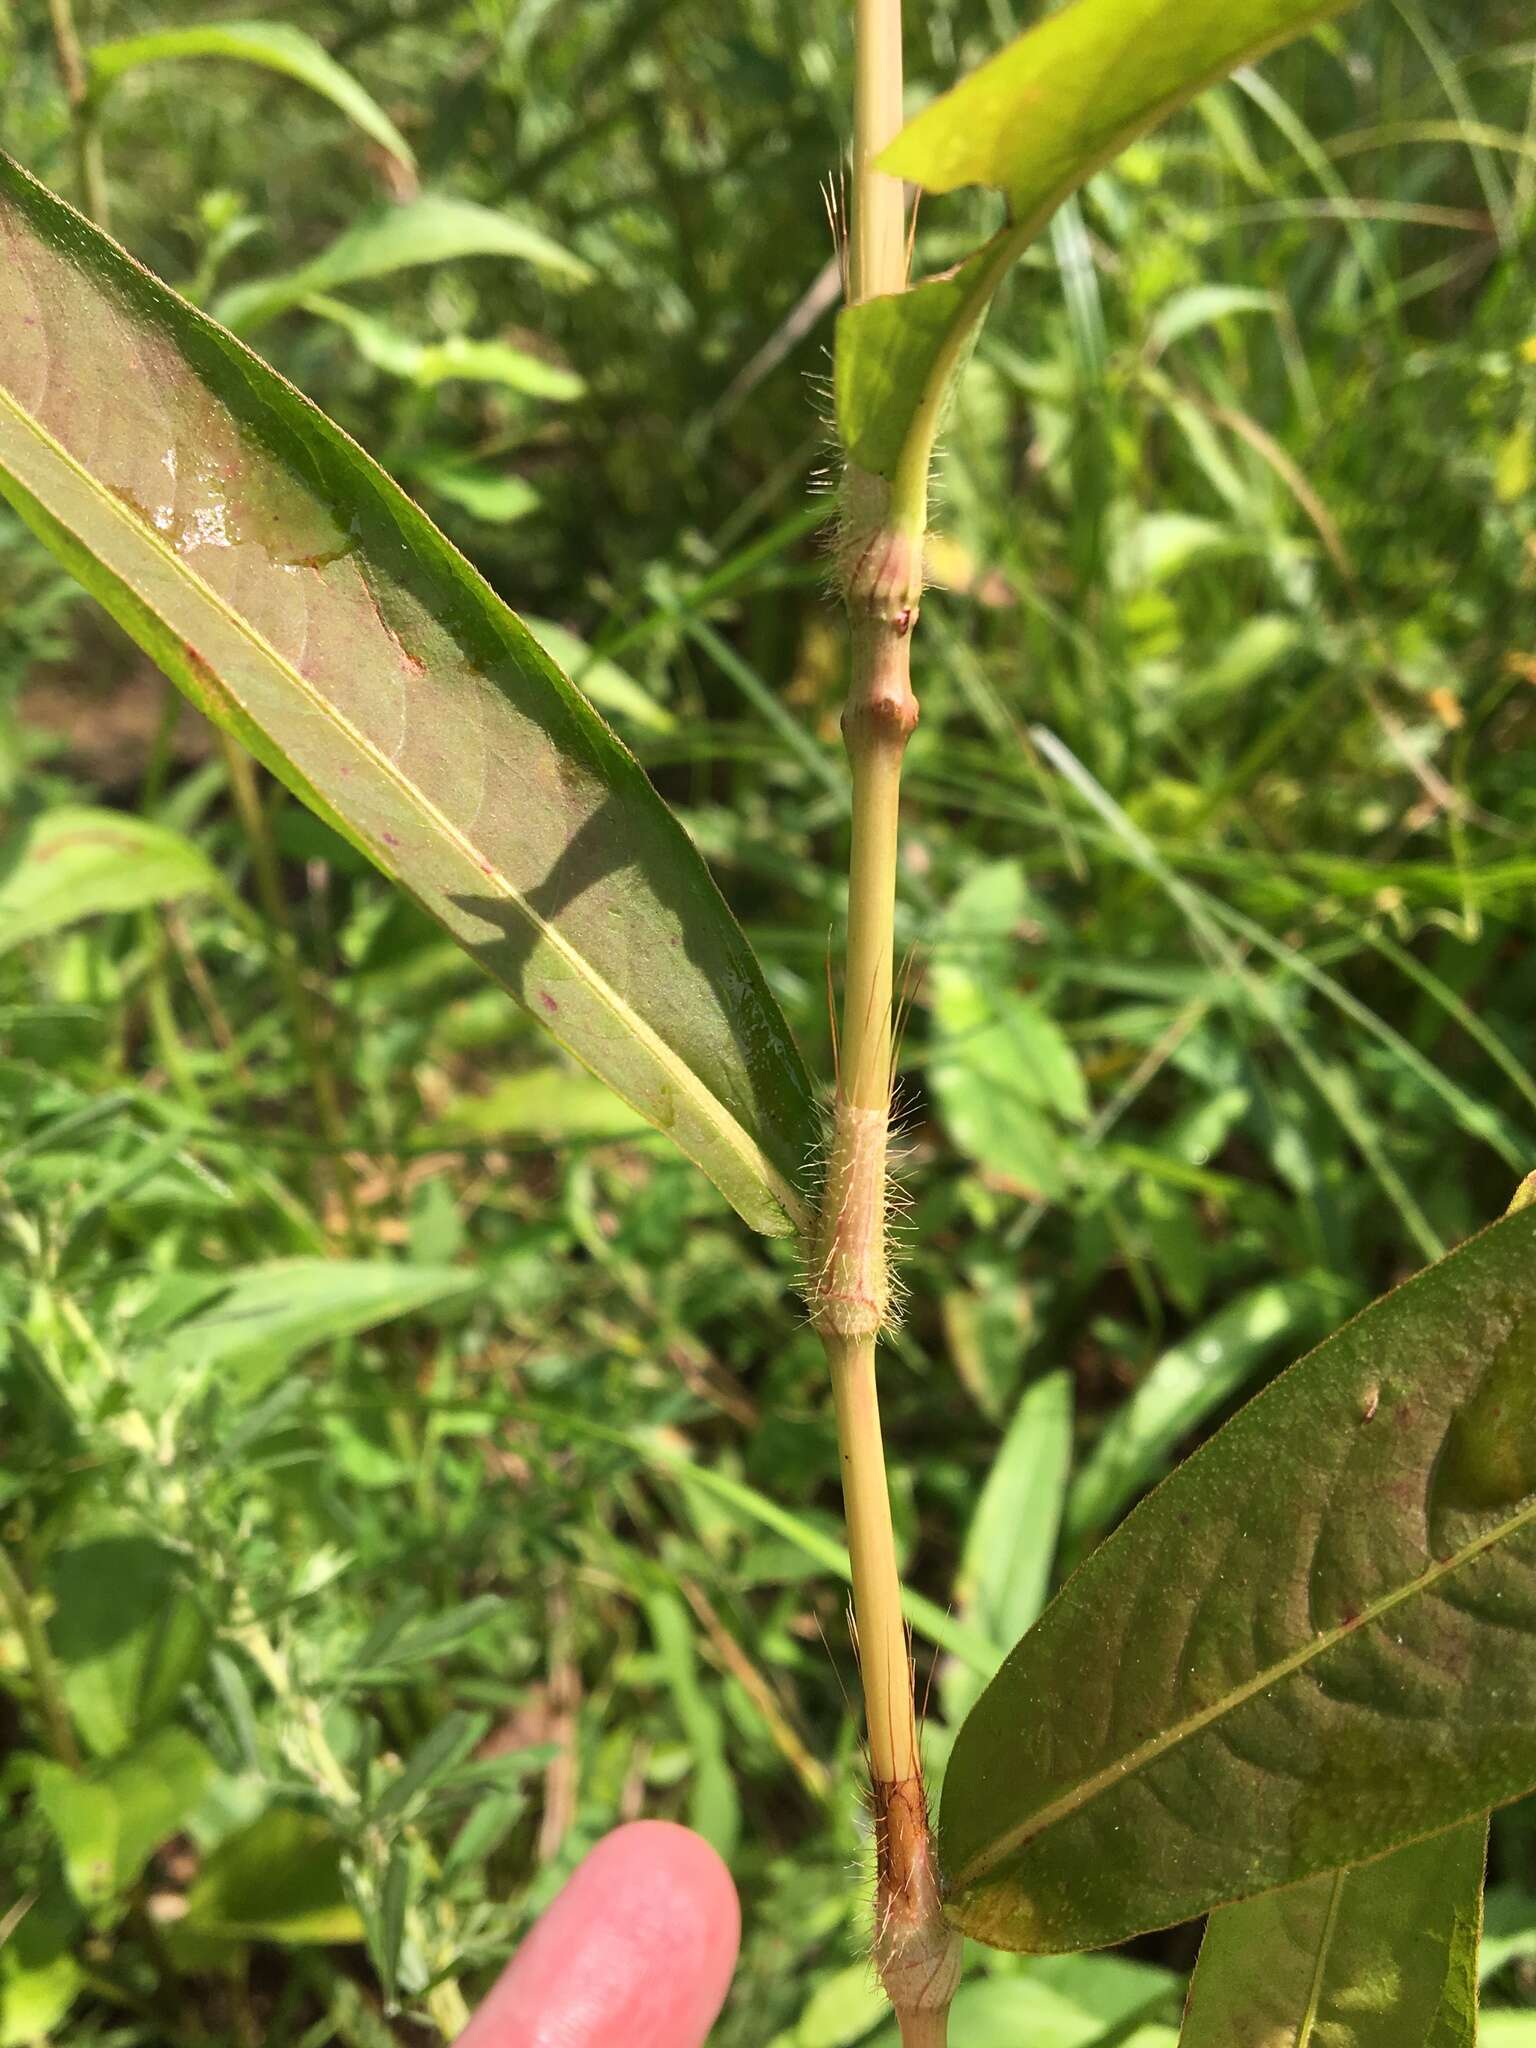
{"type": "Point", "coordinates": [398, 1519]}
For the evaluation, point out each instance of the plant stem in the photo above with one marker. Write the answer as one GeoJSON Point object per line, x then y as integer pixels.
{"type": "Point", "coordinates": [880, 559]}
{"type": "Point", "coordinates": [89, 161]}
{"type": "Point", "coordinates": [16, 1604]}
{"type": "Point", "coordinates": [301, 1011]}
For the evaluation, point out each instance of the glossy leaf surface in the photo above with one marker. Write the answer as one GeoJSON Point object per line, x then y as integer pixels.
{"type": "Point", "coordinates": [1381, 1956]}
{"type": "Point", "coordinates": [1034, 122]}
{"type": "Point", "coordinates": [299, 598]}
{"type": "Point", "coordinates": [275, 46]}
{"type": "Point", "coordinates": [1315, 1642]}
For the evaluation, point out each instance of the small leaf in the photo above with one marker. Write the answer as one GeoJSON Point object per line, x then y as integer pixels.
{"type": "Point", "coordinates": [431, 229]}
{"type": "Point", "coordinates": [110, 1821]}
{"type": "Point", "coordinates": [72, 862]}
{"type": "Point", "coordinates": [1187, 1384]}
{"type": "Point", "coordinates": [1315, 1642]}
{"type": "Point", "coordinates": [271, 44]}
{"type": "Point", "coordinates": [127, 1636]}
{"type": "Point", "coordinates": [611, 688]}
{"type": "Point", "coordinates": [433, 1758]}
{"type": "Point", "coordinates": [39, 1976]}
{"type": "Point", "coordinates": [547, 1103]}
{"type": "Point", "coordinates": [266, 1316]}
{"type": "Point", "coordinates": [277, 1880]}
{"type": "Point", "coordinates": [1005, 1567]}
{"type": "Point", "coordinates": [1381, 1956]}
{"type": "Point", "coordinates": [429, 363]}
{"type": "Point", "coordinates": [290, 588]}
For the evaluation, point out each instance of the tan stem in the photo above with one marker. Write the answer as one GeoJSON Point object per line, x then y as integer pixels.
{"type": "Point", "coordinates": [878, 250]}
{"type": "Point", "coordinates": [90, 163]}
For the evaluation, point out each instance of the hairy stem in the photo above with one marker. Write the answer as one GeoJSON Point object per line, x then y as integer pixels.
{"type": "Point", "coordinates": [89, 161]}
{"type": "Point", "coordinates": [881, 572]}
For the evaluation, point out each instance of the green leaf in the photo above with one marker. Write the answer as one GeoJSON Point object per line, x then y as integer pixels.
{"type": "Point", "coordinates": [1188, 1383]}
{"type": "Point", "coordinates": [494, 497]}
{"type": "Point", "coordinates": [1381, 1956]}
{"type": "Point", "coordinates": [269, 1315]}
{"type": "Point", "coordinates": [1001, 1071]}
{"type": "Point", "coordinates": [272, 44]}
{"type": "Point", "coordinates": [611, 688]}
{"type": "Point", "coordinates": [431, 229]}
{"type": "Point", "coordinates": [277, 1880]}
{"type": "Point", "coordinates": [39, 1976]}
{"type": "Point", "coordinates": [1034, 122]}
{"type": "Point", "coordinates": [127, 1636]}
{"type": "Point", "coordinates": [294, 592]}
{"type": "Point", "coordinates": [110, 1821]}
{"type": "Point", "coordinates": [440, 362]}
{"type": "Point", "coordinates": [433, 1758]}
{"type": "Point", "coordinates": [548, 1103]}
{"type": "Point", "coordinates": [1315, 1642]}
{"type": "Point", "coordinates": [73, 862]}
{"type": "Point", "coordinates": [1005, 1567]}
{"type": "Point", "coordinates": [714, 1809]}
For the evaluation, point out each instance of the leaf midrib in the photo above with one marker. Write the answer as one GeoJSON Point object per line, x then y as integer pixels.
{"type": "Point", "coordinates": [1017, 1837]}
{"type": "Point", "coordinates": [676, 1069]}
{"type": "Point", "coordinates": [1320, 1967]}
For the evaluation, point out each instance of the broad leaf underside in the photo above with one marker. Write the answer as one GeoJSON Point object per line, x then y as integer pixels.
{"type": "Point", "coordinates": [301, 599]}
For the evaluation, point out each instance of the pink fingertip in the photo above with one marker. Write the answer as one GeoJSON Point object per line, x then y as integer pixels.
{"type": "Point", "coordinates": [636, 1951]}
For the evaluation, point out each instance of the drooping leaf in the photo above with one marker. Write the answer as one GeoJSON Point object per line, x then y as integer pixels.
{"type": "Point", "coordinates": [432, 229]}
{"type": "Point", "coordinates": [272, 44]}
{"type": "Point", "coordinates": [1381, 1956]}
{"type": "Point", "coordinates": [127, 1635]}
{"type": "Point", "coordinates": [281, 579]}
{"type": "Point", "coordinates": [1315, 1642]}
{"type": "Point", "coordinates": [1034, 122]}
{"type": "Point", "coordinates": [75, 862]}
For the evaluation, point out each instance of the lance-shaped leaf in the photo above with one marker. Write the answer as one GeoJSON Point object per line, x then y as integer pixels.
{"type": "Point", "coordinates": [1381, 1956]}
{"type": "Point", "coordinates": [300, 599]}
{"type": "Point", "coordinates": [1034, 122]}
{"type": "Point", "coordinates": [1314, 1643]}
{"type": "Point", "coordinates": [272, 44]}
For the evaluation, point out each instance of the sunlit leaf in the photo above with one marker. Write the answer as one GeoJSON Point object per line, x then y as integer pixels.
{"type": "Point", "coordinates": [73, 862]}
{"type": "Point", "coordinates": [1381, 1956]}
{"type": "Point", "coordinates": [1034, 122]}
{"type": "Point", "coordinates": [274, 45]}
{"type": "Point", "coordinates": [128, 1636]}
{"type": "Point", "coordinates": [1315, 1642]}
{"type": "Point", "coordinates": [110, 1821]}
{"type": "Point", "coordinates": [458, 356]}
{"type": "Point", "coordinates": [432, 229]}
{"type": "Point", "coordinates": [281, 579]}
